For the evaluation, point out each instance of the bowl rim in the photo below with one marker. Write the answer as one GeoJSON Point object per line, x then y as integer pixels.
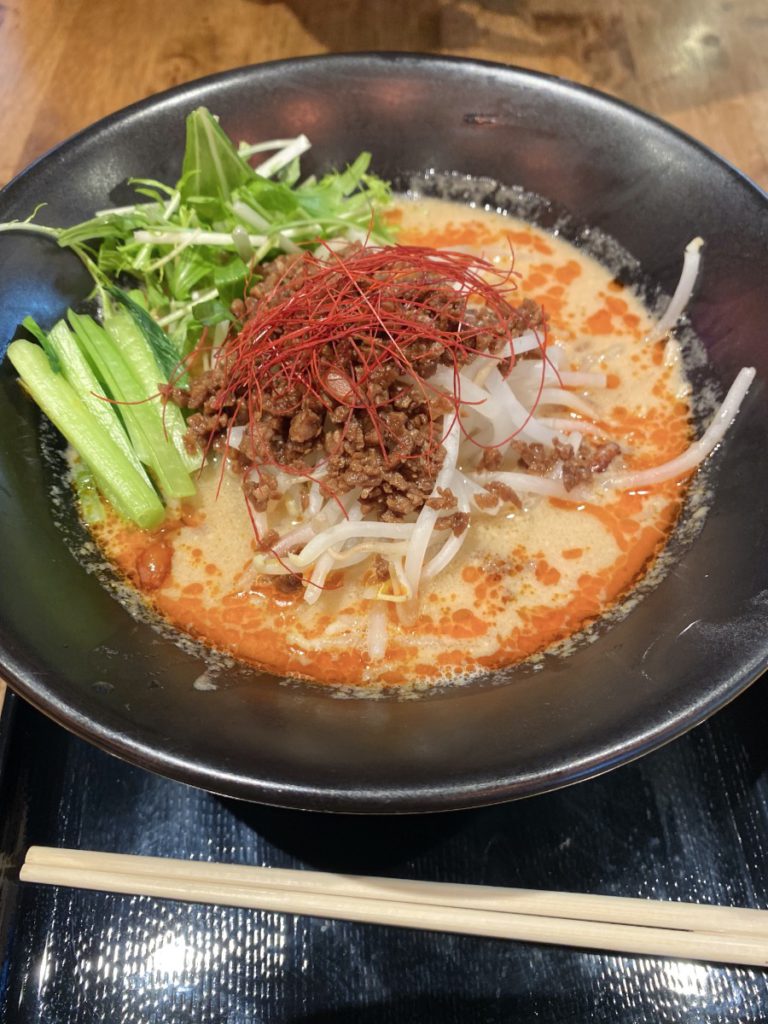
{"type": "Point", "coordinates": [184, 89]}
{"type": "Point", "coordinates": [414, 798]}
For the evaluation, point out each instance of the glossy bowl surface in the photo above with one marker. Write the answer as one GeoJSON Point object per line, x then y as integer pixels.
{"type": "Point", "coordinates": [691, 644]}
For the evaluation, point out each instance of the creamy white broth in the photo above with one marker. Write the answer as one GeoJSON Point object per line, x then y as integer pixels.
{"type": "Point", "coordinates": [523, 580]}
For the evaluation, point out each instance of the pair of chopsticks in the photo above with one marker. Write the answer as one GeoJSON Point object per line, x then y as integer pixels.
{"type": "Point", "coordinates": [625, 925]}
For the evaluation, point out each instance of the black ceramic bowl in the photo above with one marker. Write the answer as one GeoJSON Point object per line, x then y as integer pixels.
{"type": "Point", "coordinates": [691, 645]}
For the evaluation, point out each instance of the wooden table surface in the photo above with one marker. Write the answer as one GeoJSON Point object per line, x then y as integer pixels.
{"type": "Point", "coordinates": [701, 64]}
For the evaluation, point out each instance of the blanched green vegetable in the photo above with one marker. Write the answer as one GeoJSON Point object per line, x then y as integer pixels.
{"type": "Point", "coordinates": [123, 361]}
{"type": "Point", "coordinates": [117, 477]}
{"type": "Point", "coordinates": [191, 249]}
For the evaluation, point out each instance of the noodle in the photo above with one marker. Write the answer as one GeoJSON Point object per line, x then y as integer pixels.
{"type": "Point", "coordinates": [533, 525]}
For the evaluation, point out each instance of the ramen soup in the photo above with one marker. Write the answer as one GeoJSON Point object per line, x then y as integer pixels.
{"type": "Point", "coordinates": [539, 521]}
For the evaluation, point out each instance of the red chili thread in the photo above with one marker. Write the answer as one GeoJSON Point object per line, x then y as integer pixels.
{"type": "Point", "coordinates": [354, 313]}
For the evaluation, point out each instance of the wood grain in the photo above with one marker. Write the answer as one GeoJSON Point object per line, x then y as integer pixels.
{"type": "Point", "coordinates": [701, 64]}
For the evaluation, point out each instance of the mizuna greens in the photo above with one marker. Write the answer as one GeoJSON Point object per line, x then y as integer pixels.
{"type": "Point", "coordinates": [188, 250]}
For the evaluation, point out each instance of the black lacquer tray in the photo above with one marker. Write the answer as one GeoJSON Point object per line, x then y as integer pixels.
{"type": "Point", "coordinates": [689, 821]}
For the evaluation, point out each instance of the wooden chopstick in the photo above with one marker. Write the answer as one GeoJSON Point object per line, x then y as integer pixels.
{"type": "Point", "coordinates": [721, 934]}
{"type": "Point", "coordinates": [541, 903]}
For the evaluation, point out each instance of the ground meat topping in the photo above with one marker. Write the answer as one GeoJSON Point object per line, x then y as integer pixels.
{"type": "Point", "coordinates": [260, 490]}
{"type": "Point", "coordinates": [445, 499]}
{"type": "Point", "coordinates": [486, 501]}
{"type": "Point", "coordinates": [490, 459]}
{"type": "Point", "coordinates": [536, 457]}
{"type": "Point", "coordinates": [373, 429]}
{"type": "Point", "coordinates": [458, 522]}
{"type": "Point", "coordinates": [504, 493]}
{"type": "Point", "coordinates": [305, 425]}
{"type": "Point", "coordinates": [578, 467]}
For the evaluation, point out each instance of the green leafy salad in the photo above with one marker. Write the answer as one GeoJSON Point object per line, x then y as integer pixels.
{"type": "Point", "coordinates": [166, 272]}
